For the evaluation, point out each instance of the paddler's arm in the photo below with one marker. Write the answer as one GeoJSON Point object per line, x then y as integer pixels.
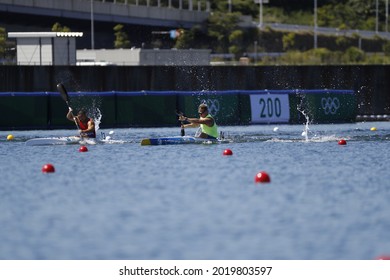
{"type": "Point", "coordinates": [70, 115]}
{"type": "Point", "coordinates": [91, 127]}
{"type": "Point", "coordinates": [197, 122]}
{"type": "Point", "coordinates": [185, 119]}
{"type": "Point", "coordinates": [189, 125]}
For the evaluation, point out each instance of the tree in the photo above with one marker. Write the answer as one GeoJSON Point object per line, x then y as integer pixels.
{"type": "Point", "coordinates": [220, 27]}
{"type": "Point", "coordinates": [386, 48]}
{"type": "Point", "coordinates": [2, 41]}
{"type": "Point", "coordinates": [57, 27]}
{"type": "Point", "coordinates": [353, 14]}
{"type": "Point", "coordinates": [236, 42]}
{"type": "Point", "coordinates": [121, 38]}
{"type": "Point", "coordinates": [184, 40]}
{"type": "Point", "coordinates": [353, 55]}
{"type": "Point", "coordinates": [288, 41]}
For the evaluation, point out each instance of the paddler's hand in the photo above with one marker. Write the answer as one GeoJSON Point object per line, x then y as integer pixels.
{"type": "Point", "coordinates": [70, 109]}
{"type": "Point", "coordinates": [182, 118]}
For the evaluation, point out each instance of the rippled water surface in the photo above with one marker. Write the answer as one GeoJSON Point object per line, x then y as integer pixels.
{"type": "Point", "coordinates": [126, 201]}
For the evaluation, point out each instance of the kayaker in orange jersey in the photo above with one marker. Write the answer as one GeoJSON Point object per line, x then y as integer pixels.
{"type": "Point", "coordinates": [209, 128]}
{"type": "Point", "coordinates": [86, 125]}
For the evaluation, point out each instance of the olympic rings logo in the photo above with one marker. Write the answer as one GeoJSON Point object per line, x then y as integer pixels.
{"type": "Point", "coordinates": [330, 105]}
{"type": "Point", "coordinates": [213, 105]}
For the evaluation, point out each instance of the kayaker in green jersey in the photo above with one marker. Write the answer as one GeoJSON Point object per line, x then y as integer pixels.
{"type": "Point", "coordinates": [209, 128]}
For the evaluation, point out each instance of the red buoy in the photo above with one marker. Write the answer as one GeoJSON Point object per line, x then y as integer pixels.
{"type": "Point", "coordinates": [384, 257]}
{"type": "Point", "coordinates": [48, 168]}
{"type": "Point", "coordinates": [83, 149]}
{"type": "Point", "coordinates": [262, 177]}
{"type": "Point", "coordinates": [342, 142]}
{"type": "Point", "coordinates": [227, 152]}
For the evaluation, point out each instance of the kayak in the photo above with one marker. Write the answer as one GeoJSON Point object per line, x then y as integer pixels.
{"type": "Point", "coordinates": [71, 140]}
{"type": "Point", "coordinates": [59, 141]}
{"type": "Point", "coordinates": [176, 140]}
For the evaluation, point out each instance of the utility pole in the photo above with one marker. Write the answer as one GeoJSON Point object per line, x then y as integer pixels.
{"type": "Point", "coordinates": [92, 28]}
{"type": "Point", "coordinates": [387, 15]}
{"type": "Point", "coordinates": [230, 6]}
{"type": "Point", "coordinates": [261, 2]}
{"type": "Point", "coordinates": [255, 52]}
{"type": "Point", "coordinates": [376, 16]}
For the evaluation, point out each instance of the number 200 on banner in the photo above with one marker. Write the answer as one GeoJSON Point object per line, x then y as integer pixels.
{"type": "Point", "coordinates": [270, 108]}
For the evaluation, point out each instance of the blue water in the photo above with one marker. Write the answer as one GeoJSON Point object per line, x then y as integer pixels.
{"type": "Point", "coordinates": [126, 201]}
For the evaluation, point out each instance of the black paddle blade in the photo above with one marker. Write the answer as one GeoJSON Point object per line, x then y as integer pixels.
{"type": "Point", "coordinates": [64, 94]}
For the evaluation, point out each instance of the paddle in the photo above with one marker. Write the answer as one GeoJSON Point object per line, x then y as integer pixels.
{"type": "Point", "coordinates": [182, 131]}
{"type": "Point", "coordinates": [64, 94]}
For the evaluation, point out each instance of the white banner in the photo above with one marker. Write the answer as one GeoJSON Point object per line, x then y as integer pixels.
{"type": "Point", "coordinates": [270, 108]}
{"type": "Point", "coordinates": [196, 270]}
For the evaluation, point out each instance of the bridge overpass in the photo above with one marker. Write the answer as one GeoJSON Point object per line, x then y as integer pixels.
{"type": "Point", "coordinates": [142, 18]}
{"type": "Point", "coordinates": [167, 13]}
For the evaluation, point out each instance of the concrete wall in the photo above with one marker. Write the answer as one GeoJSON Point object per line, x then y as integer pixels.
{"type": "Point", "coordinates": [145, 56]}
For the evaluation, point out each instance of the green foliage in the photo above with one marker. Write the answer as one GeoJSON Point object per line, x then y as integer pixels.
{"type": "Point", "coordinates": [312, 57]}
{"type": "Point", "coordinates": [288, 41]}
{"type": "Point", "coordinates": [3, 37]}
{"type": "Point", "coordinates": [244, 7]}
{"type": "Point", "coordinates": [342, 42]}
{"type": "Point", "coordinates": [236, 40]}
{"type": "Point", "coordinates": [353, 55]}
{"type": "Point", "coordinates": [377, 59]}
{"type": "Point", "coordinates": [386, 48]}
{"type": "Point", "coordinates": [184, 41]}
{"type": "Point", "coordinates": [121, 38]}
{"type": "Point", "coordinates": [220, 26]}
{"type": "Point", "coordinates": [57, 27]}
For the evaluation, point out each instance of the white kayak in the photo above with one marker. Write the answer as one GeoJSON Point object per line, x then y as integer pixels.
{"type": "Point", "coordinates": [60, 141]}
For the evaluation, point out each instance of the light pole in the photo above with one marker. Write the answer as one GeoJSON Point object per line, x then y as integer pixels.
{"type": "Point", "coordinates": [255, 52]}
{"type": "Point", "coordinates": [315, 24]}
{"type": "Point", "coordinates": [230, 6]}
{"type": "Point", "coordinates": [387, 15]}
{"type": "Point", "coordinates": [376, 16]}
{"type": "Point", "coordinates": [92, 28]}
{"type": "Point", "coordinates": [261, 14]}
{"type": "Point", "coordinates": [261, 11]}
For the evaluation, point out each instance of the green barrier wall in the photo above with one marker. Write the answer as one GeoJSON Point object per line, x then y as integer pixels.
{"type": "Point", "coordinates": [157, 108]}
{"type": "Point", "coordinates": [244, 108]}
{"type": "Point", "coordinates": [102, 104]}
{"type": "Point", "coordinates": [22, 110]}
{"type": "Point", "coordinates": [146, 109]}
{"type": "Point", "coordinates": [223, 105]}
{"type": "Point", "coordinates": [322, 106]}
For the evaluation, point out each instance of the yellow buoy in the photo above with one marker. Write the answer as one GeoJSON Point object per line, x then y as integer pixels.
{"type": "Point", "coordinates": [373, 129]}
{"type": "Point", "coordinates": [10, 137]}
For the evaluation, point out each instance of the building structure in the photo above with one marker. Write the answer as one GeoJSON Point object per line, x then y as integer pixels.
{"type": "Point", "coordinates": [45, 48]}
{"type": "Point", "coordinates": [138, 56]}
{"type": "Point", "coordinates": [59, 48]}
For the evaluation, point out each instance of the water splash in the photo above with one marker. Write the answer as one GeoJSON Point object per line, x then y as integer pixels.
{"type": "Point", "coordinates": [97, 116]}
{"type": "Point", "coordinates": [305, 132]}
